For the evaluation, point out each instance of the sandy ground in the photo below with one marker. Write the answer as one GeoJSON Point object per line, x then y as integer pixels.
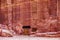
{"type": "Point", "coordinates": [27, 38]}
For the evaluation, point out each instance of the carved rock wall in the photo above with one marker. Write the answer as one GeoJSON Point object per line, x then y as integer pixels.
{"type": "Point", "coordinates": [30, 12]}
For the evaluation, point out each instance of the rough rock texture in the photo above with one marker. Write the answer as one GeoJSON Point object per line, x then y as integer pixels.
{"type": "Point", "coordinates": [36, 13]}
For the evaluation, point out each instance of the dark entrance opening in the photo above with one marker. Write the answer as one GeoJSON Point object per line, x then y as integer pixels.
{"type": "Point", "coordinates": [26, 30]}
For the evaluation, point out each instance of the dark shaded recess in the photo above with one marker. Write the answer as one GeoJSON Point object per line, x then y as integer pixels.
{"type": "Point", "coordinates": [53, 7]}
{"type": "Point", "coordinates": [34, 29]}
{"type": "Point", "coordinates": [12, 1]}
{"type": "Point", "coordinates": [24, 27]}
{"type": "Point", "coordinates": [2, 18]}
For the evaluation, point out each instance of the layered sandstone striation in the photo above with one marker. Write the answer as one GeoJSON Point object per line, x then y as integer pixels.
{"type": "Point", "coordinates": [40, 14]}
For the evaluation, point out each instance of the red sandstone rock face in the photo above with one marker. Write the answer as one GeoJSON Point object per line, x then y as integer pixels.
{"type": "Point", "coordinates": [33, 13]}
